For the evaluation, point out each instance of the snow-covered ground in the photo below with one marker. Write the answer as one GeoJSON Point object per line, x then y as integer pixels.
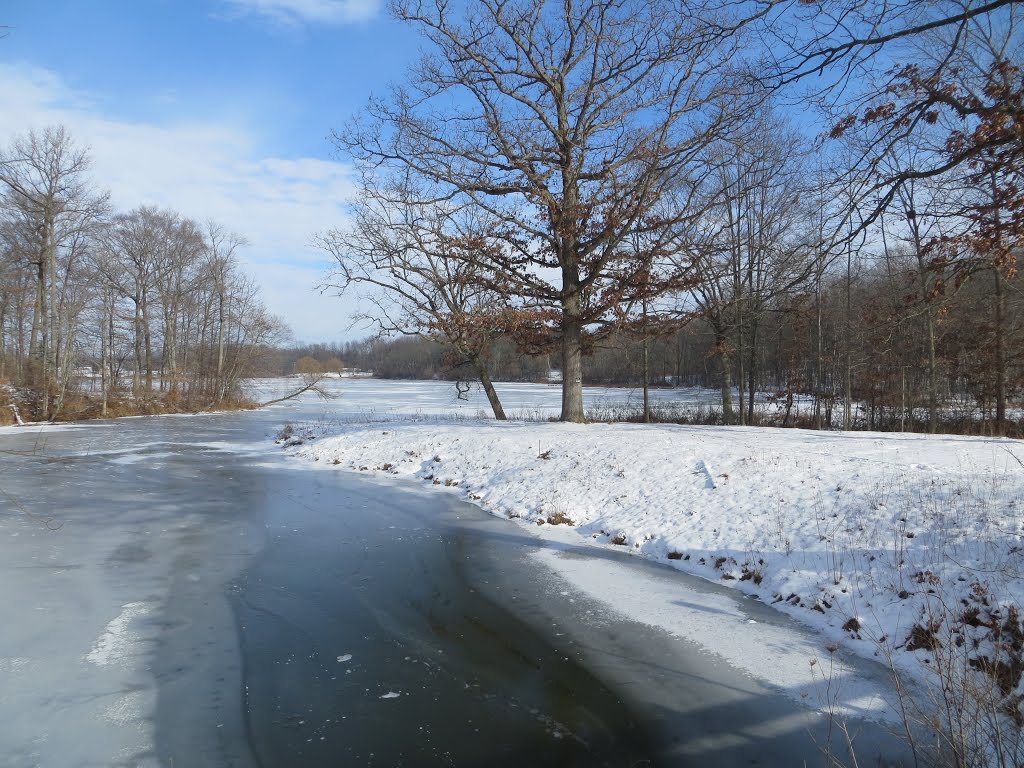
{"type": "Point", "coordinates": [374, 399]}
{"type": "Point", "coordinates": [889, 544]}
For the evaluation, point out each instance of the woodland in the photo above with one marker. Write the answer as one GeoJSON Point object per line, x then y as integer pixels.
{"type": "Point", "coordinates": [107, 313]}
{"type": "Point", "coordinates": [819, 199]}
{"type": "Point", "coordinates": [781, 198]}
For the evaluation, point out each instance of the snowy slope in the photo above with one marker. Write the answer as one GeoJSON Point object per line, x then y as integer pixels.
{"type": "Point", "coordinates": [868, 537]}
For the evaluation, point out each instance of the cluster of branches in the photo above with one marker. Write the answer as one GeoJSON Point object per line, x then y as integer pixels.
{"type": "Point", "coordinates": [809, 352]}
{"type": "Point", "coordinates": [560, 173]}
{"type": "Point", "coordinates": [99, 303]}
{"type": "Point", "coordinates": [872, 331]}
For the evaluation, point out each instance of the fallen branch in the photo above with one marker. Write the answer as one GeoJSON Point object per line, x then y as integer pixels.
{"type": "Point", "coordinates": [312, 383]}
{"type": "Point", "coordinates": [52, 522]}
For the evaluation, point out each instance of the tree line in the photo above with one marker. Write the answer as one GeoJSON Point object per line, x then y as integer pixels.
{"type": "Point", "coordinates": [815, 198]}
{"type": "Point", "coordinates": [405, 357]}
{"type": "Point", "coordinates": [106, 312]}
{"type": "Point", "coordinates": [907, 356]}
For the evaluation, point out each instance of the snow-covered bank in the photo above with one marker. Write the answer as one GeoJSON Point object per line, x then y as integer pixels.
{"type": "Point", "coordinates": [871, 538]}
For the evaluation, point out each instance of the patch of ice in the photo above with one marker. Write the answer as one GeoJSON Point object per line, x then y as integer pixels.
{"type": "Point", "coordinates": [13, 664]}
{"type": "Point", "coordinates": [135, 458]}
{"type": "Point", "coordinates": [127, 709]}
{"type": "Point", "coordinates": [778, 654]}
{"type": "Point", "coordinates": [117, 642]}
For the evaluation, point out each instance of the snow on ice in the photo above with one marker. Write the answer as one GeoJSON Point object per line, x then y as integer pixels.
{"type": "Point", "coordinates": [863, 536]}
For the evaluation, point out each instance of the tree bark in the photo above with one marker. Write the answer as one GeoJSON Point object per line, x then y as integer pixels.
{"type": "Point", "coordinates": [752, 371]}
{"type": "Point", "coordinates": [104, 352]}
{"type": "Point", "coordinates": [492, 394]}
{"type": "Point", "coordinates": [740, 342]}
{"type": "Point", "coordinates": [1000, 358]}
{"type": "Point", "coordinates": [147, 339]}
{"type": "Point", "coordinates": [819, 356]}
{"type": "Point", "coordinates": [572, 343]}
{"type": "Point", "coordinates": [220, 386]}
{"type": "Point", "coordinates": [848, 343]}
{"type": "Point", "coordinates": [725, 363]}
{"type": "Point", "coordinates": [647, 379]}
{"type": "Point", "coordinates": [572, 369]}
{"type": "Point", "coordinates": [137, 373]}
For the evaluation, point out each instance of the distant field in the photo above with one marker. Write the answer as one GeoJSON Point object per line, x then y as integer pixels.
{"type": "Point", "coordinates": [370, 397]}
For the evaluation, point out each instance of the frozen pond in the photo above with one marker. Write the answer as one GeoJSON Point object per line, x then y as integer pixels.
{"type": "Point", "coordinates": [178, 593]}
{"type": "Point", "coordinates": [378, 398]}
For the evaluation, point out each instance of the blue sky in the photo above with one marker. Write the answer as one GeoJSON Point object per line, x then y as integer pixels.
{"type": "Point", "coordinates": [217, 108]}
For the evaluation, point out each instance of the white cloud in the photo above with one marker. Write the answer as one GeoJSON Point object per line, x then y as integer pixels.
{"type": "Point", "coordinates": [204, 169]}
{"type": "Point", "coordinates": [294, 12]}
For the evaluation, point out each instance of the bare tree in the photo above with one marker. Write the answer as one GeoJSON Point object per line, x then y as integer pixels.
{"type": "Point", "coordinates": [74, 293]}
{"type": "Point", "coordinates": [16, 293]}
{"type": "Point", "coordinates": [845, 39]}
{"type": "Point", "coordinates": [143, 290]}
{"type": "Point", "coordinates": [46, 187]}
{"type": "Point", "coordinates": [954, 116]}
{"type": "Point", "coordinates": [420, 262]}
{"type": "Point", "coordinates": [752, 248]}
{"type": "Point", "coordinates": [565, 123]}
{"type": "Point", "coordinates": [250, 328]}
{"type": "Point", "coordinates": [220, 270]}
{"type": "Point", "coordinates": [919, 209]}
{"type": "Point", "coordinates": [133, 245]}
{"type": "Point", "coordinates": [178, 264]}
{"type": "Point", "coordinates": [893, 70]}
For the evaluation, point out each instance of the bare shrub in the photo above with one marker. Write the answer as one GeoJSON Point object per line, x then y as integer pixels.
{"type": "Point", "coordinates": [559, 518]}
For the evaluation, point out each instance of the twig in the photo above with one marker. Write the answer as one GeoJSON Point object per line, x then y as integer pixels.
{"type": "Point", "coordinates": [49, 522]}
{"type": "Point", "coordinates": [1014, 455]}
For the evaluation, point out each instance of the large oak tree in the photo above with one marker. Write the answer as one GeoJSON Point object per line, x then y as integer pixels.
{"type": "Point", "coordinates": [567, 124]}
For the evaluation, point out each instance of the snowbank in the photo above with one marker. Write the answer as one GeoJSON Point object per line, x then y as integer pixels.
{"type": "Point", "coordinates": [887, 543]}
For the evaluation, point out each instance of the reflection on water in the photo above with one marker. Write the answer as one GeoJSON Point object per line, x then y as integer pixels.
{"type": "Point", "coordinates": [378, 650]}
{"type": "Point", "coordinates": [305, 617]}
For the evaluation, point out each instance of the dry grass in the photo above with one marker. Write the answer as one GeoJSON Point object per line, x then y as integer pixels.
{"type": "Point", "coordinates": [559, 518]}
{"type": "Point", "coordinates": [886, 420]}
{"type": "Point", "coordinates": [83, 407]}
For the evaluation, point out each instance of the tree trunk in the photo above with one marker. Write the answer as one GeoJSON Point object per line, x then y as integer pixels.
{"type": "Point", "coordinates": [572, 370]}
{"type": "Point", "coordinates": [66, 368]}
{"type": "Point", "coordinates": [789, 406]}
{"type": "Point", "coordinates": [147, 338]}
{"type": "Point", "coordinates": [848, 372]}
{"type": "Point", "coordinates": [752, 372]}
{"type": "Point", "coordinates": [1000, 358]}
{"type": "Point", "coordinates": [904, 410]}
{"type": "Point", "coordinates": [819, 355]}
{"type": "Point", "coordinates": [488, 385]}
{"type": "Point", "coordinates": [219, 386]}
{"type": "Point", "coordinates": [50, 339]}
{"type": "Point", "coordinates": [647, 379]}
{"type": "Point", "coordinates": [742, 369]}
{"type": "Point", "coordinates": [929, 319]}
{"type": "Point", "coordinates": [725, 363]}
{"type": "Point", "coordinates": [104, 352]}
{"type": "Point", "coordinates": [38, 341]}
{"type": "Point", "coordinates": [137, 373]}
{"type": "Point", "coordinates": [3, 337]}
{"type": "Point", "coordinates": [38, 307]}
{"type": "Point", "coordinates": [933, 375]}
{"type": "Point", "coordinates": [572, 352]}
{"type": "Point", "coordinates": [171, 351]}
